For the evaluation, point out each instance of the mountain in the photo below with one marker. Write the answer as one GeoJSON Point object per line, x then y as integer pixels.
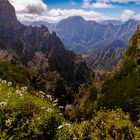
{"type": "Point", "coordinates": [7, 16]}
{"type": "Point", "coordinates": [50, 26]}
{"type": "Point", "coordinates": [94, 39]}
{"type": "Point", "coordinates": [101, 44]}
{"type": "Point", "coordinates": [106, 55]}
{"type": "Point", "coordinates": [114, 22]}
{"type": "Point", "coordinates": [122, 88]}
{"type": "Point", "coordinates": [37, 48]}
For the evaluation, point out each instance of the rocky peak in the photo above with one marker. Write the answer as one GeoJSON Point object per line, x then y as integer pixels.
{"type": "Point", "coordinates": [7, 14]}
{"type": "Point", "coordinates": [35, 47]}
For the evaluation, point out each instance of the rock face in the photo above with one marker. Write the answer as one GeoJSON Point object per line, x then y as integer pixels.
{"type": "Point", "coordinates": [50, 26]}
{"type": "Point", "coordinates": [35, 47]}
{"type": "Point", "coordinates": [7, 14]}
{"type": "Point", "coordinates": [99, 43]}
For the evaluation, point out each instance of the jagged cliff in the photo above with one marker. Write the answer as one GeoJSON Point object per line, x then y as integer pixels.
{"type": "Point", "coordinates": [37, 48]}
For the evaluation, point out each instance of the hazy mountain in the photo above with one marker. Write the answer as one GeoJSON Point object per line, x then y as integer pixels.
{"type": "Point", "coordinates": [99, 43]}
{"type": "Point", "coordinates": [114, 22]}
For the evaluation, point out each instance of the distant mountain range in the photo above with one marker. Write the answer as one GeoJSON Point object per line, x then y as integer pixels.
{"type": "Point", "coordinates": [114, 22]}
{"type": "Point", "coordinates": [101, 44]}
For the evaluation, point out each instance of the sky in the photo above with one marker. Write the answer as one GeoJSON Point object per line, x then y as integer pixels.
{"type": "Point", "coordinates": [55, 10]}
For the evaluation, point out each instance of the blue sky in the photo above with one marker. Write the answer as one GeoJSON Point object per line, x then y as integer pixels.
{"type": "Point", "coordinates": [114, 12]}
{"type": "Point", "coordinates": [118, 6]}
{"type": "Point", "coordinates": [56, 10]}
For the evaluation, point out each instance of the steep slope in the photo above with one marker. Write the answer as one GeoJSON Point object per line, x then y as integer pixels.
{"type": "Point", "coordinates": [37, 48]}
{"type": "Point", "coordinates": [7, 16]}
{"type": "Point", "coordinates": [106, 55]}
{"type": "Point", "coordinates": [122, 89]}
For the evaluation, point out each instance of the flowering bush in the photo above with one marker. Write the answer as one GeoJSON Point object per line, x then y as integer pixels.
{"type": "Point", "coordinates": [38, 116]}
{"type": "Point", "coordinates": [106, 125]}
{"type": "Point", "coordinates": [24, 116]}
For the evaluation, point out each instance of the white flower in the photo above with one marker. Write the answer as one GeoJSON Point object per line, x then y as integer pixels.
{"type": "Point", "coordinates": [102, 122]}
{"type": "Point", "coordinates": [21, 95]}
{"type": "Point", "coordinates": [18, 92]}
{"type": "Point", "coordinates": [9, 84]}
{"type": "Point", "coordinates": [43, 107]}
{"type": "Point", "coordinates": [42, 96]}
{"type": "Point", "coordinates": [24, 88]}
{"type": "Point", "coordinates": [38, 118]}
{"type": "Point", "coordinates": [55, 101]}
{"type": "Point", "coordinates": [3, 103]}
{"type": "Point", "coordinates": [67, 124]}
{"type": "Point", "coordinates": [49, 110]}
{"type": "Point", "coordinates": [61, 107]}
{"type": "Point", "coordinates": [8, 122]}
{"type": "Point", "coordinates": [55, 104]}
{"type": "Point", "coordinates": [60, 114]}
{"type": "Point", "coordinates": [49, 97]}
{"type": "Point", "coordinates": [60, 126]}
{"type": "Point", "coordinates": [41, 92]}
{"type": "Point", "coordinates": [4, 82]}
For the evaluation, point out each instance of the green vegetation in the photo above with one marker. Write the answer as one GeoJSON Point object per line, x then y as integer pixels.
{"type": "Point", "coordinates": [26, 116]}
{"type": "Point", "coordinates": [122, 89]}
{"type": "Point", "coordinates": [106, 125]}
{"type": "Point", "coordinates": [109, 110]}
{"type": "Point", "coordinates": [17, 75]}
{"type": "Point", "coordinates": [50, 82]}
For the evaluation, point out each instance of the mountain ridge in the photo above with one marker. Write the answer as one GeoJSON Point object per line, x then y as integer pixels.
{"type": "Point", "coordinates": [23, 45]}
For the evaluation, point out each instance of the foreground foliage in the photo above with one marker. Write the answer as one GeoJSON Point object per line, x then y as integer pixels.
{"type": "Point", "coordinates": [26, 116]}
{"type": "Point", "coordinates": [106, 125]}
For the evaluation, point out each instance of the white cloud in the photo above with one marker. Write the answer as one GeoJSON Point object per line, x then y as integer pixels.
{"type": "Point", "coordinates": [129, 14]}
{"type": "Point", "coordinates": [119, 1]}
{"type": "Point", "coordinates": [97, 4]}
{"type": "Point", "coordinates": [55, 15]}
{"type": "Point", "coordinates": [101, 5]}
{"type": "Point", "coordinates": [29, 6]}
{"type": "Point", "coordinates": [137, 17]}
{"type": "Point", "coordinates": [59, 14]}
{"type": "Point", "coordinates": [105, 3]}
{"type": "Point", "coordinates": [125, 1]}
{"type": "Point", "coordinates": [35, 10]}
